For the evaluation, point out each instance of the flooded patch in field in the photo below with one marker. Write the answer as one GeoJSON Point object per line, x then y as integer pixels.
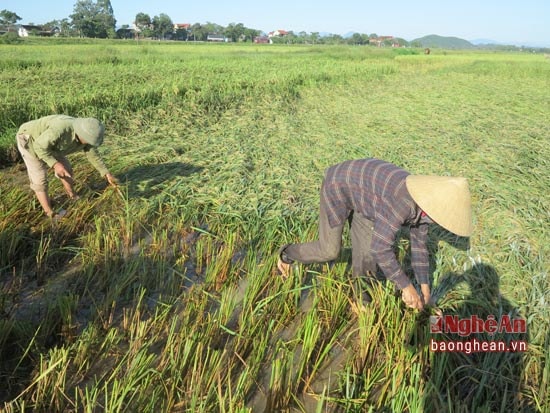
{"type": "Point", "coordinates": [315, 389]}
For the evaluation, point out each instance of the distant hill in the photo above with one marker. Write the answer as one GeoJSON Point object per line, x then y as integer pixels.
{"type": "Point", "coordinates": [434, 40]}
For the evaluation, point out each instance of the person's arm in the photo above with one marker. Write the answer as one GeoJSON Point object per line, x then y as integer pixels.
{"type": "Point", "coordinates": [384, 235]}
{"type": "Point", "coordinates": [420, 259]}
{"type": "Point", "coordinates": [111, 179]}
{"type": "Point", "coordinates": [419, 253]}
{"type": "Point", "coordinates": [44, 147]}
{"type": "Point", "coordinates": [95, 160]}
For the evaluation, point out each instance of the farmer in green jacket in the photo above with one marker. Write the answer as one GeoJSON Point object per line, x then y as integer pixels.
{"type": "Point", "coordinates": [44, 143]}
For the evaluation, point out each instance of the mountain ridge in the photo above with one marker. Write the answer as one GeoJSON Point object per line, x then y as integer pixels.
{"type": "Point", "coordinates": [444, 42]}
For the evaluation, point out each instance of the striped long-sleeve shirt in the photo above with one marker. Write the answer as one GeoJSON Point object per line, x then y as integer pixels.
{"type": "Point", "coordinates": [376, 189]}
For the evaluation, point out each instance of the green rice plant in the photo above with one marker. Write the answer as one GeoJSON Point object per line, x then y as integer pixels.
{"type": "Point", "coordinates": [41, 258]}
{"type": "Point", "coordinates": [170, 298]}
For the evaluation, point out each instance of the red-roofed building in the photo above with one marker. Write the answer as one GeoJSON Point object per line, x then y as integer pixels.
{"type": "Point", "coordinates": [278, 33]}
{"type": "Point", "coordinates": [262, 39]}
{"type": "Point", "coordinates": [179, 26]}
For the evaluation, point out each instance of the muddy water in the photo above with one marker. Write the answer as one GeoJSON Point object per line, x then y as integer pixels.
{"type": "Point", "coordinates": [326, 380]}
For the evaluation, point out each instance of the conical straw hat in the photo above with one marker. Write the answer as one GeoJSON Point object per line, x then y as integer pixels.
{"type": "Point", "coordinates": [445, 199]}
{"type": "Point", "coordinates": [90, 130]}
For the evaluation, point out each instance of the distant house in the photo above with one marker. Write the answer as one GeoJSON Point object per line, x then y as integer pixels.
{"type": "Point", "coordinates": [216, 38]}
{"type": "Point", "coordinates": [26, 29]}
{"type": "Point", "coordinates": [278, 33]}
{"type": "Point", "coordinates": [379, 41]}
{"type": "Point", "coordinates": [135, 28]}
{"type": "Point", "coordinates": [181, 26]}
{"type": "Point", "coordinates": [262, 39]}
{"type": "Point", "coordinates": [125, 33]}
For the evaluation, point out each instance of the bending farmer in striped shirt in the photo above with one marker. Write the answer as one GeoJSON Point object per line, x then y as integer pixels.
{"type": "Point", "coordinates": [378, 198]}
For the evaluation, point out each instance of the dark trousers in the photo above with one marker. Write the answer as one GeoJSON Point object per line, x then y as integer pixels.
{"type": "Point", "coordinates": [327, 247]}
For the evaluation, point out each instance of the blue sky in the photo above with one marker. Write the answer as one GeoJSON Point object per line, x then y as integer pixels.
{"type": "Point", "coordinates": [525, 22]}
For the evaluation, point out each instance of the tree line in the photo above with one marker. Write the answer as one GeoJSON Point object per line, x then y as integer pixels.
{"type": "Point", "coordinates": [89, 19]}
{"type": "Point", "coordinates": [96, 19]}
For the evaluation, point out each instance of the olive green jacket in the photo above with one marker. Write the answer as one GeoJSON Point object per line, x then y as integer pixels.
{"type": "Point", "coordinates": [53, 137]}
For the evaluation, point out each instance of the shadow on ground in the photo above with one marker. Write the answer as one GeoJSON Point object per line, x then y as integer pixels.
{"type": "Point", "coordinates": [148, 180]}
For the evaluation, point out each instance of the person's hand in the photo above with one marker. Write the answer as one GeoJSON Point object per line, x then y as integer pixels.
{"type": "Point", "coordinates": [111, 179]}
{"type": "Point", "coordinates": [61, 172]}
{"type": "Point", "coordinates": [56, 216]}
{"type": "Point", "coordinates": [425, 288]}
{"type": "Point", "coordinates": [284, 268]}
{"type": "Point", "coordinates": [411, 298]}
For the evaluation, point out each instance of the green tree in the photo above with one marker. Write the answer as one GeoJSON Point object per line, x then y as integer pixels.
{"type": "Point", "coordinates": [52, 25]}
{"type": "Point", "coordinates": [144, 25]}
{"type": "Point", "coordinates": [66, 28]}
{"type": "Point", "coordinates": [240, 33]}
{"type": "Point", "coordinates": [162, 26]}
{"type": "Point", "coordinates": [198, 32]}
{"type": "Point", "coordinates": [250, 34]}
{"type": "Point", "coordinates": [10, 38]}
{"type": "Point", "coordinates": [334, 39]}
{"type": "Point", "coordinates": [314, 37]}
{"type": "Point", "coordinates": [212, 28]}
{"type": "Point", "coordinates": [8, 18]}
{"type": "Point", "coordinates": [106, 17]}
{"type": "Point", "coordinates": [289, 38]}
{"type": "Point", "coordinates": [94, 19]}
{"type": "Point", "coordinates": [142, 20]}
{"type": "Point", "coordinates": [181, 34]}
{"type": "Point", "coordinates": [235, 32]}
{"type": "Point", "coordinates": [357, 38]}
{"type": "Point", "coordinates": [83, 15]}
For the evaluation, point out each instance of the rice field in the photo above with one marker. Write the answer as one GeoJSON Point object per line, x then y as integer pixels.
{"type": "Point", "coordinates": [162, 295]}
